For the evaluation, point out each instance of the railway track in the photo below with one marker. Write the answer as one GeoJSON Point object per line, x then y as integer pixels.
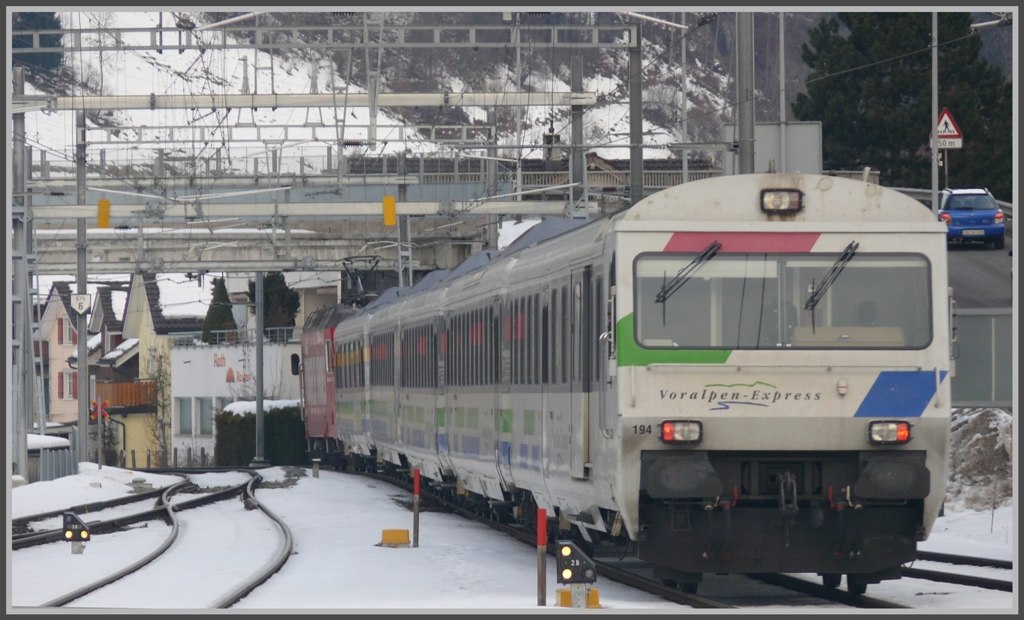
{"type": "Point", "coordinates": [977, 581]}
{"type": "Point", "coordinates": [622, 573]}
{"type": "Point", "coordinates": [167, 511]}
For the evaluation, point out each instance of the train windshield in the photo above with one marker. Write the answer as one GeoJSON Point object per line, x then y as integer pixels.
{"type": "Point", "coordinates": [760, 301]}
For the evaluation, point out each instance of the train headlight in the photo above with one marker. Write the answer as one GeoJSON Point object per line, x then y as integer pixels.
{"type": "Point", "coordinates": [889, 432]}
{"type": "Point", "coordinates": [682, 431]}
{"type": "Point", "coordinates": [781, 201]}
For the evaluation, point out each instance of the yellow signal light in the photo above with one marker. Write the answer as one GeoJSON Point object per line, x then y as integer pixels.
{"type": "Point", "coordinates": [103, 214]}
{"type": "Point", "coordinates": [68, 534]}
{"type": "Point", "coordinates": [85, 534]}
{"type": "Point", "coordinates": [390, 213]}
{"type": "Point", "coordinates": [566, 552]}
{"type": "Point", "coordinates": [566, 574]}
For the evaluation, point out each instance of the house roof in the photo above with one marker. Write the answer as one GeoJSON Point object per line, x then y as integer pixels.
{"type": "Point", "coordinates": [63, 291]}
{"type": "Point", "coordinates": [164, 324]}
{"type": "Point", "coordinates": [113, 321]}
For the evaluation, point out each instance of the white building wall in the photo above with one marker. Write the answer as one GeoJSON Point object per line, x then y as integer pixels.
{"type": "Point", "coordinates": [215, 375]}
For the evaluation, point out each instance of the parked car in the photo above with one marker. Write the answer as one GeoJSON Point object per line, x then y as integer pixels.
{"type": "Point", "coordinates": [972, 215]}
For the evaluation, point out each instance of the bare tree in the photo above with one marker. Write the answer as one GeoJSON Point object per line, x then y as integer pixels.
{"type": "Point", "coordinates": [158, 426]}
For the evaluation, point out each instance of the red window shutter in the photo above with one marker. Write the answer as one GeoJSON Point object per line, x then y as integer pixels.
{"type": "Point", "coordinates": [74, 385]}
{"type": "Point", "coordinates": [60, 384]}
{"type": "Point", "coordinates": [60, 330]}
{"type": "Point", "coordinates": [74, 336]}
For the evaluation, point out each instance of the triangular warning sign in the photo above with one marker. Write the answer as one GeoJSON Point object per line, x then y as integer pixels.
{"type": "Point", "coordinates": [947, 127]}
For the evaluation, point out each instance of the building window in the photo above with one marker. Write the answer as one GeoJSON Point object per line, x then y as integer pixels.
{"type": "Point", "coordinates": [184, 416]}
{"type": "Point", "coordinates": [223, 401]}
{"type": "Point", "coordinates": [67, 387]}
{"type": "Point", "coordinates": [66, 333]}
{"type": "Point", "coordinates": [205, 416]}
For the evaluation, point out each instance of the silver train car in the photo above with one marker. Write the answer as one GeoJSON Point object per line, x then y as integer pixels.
{"type": "Point", "coordinates": [745, 374]}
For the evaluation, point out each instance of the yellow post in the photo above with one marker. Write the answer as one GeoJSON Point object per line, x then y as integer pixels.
{"type": "Point", "coordinates": [103, 216]}
{"type": "Point", "coordinates": [390, 214]}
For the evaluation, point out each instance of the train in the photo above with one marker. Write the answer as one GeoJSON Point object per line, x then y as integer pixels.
{"type": "Point", "coordinates": [743, 374]}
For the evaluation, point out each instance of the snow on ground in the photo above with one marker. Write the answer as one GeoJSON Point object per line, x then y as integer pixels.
{"type": "Point", "coordinates": [75, 490]}
{"type": "Point", "coordinates": [983, 533]}
{"type": "Point", "coordinates": [242, 407]}
{"type": "Point", "coordinates": [336, 521]}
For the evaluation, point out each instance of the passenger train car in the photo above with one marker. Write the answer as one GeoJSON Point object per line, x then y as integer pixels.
{"type": "Point", "coordinates": [744, 374]}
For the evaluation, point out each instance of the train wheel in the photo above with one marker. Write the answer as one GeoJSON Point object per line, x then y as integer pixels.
{"type": "Point", "coordinates": [831, 580]}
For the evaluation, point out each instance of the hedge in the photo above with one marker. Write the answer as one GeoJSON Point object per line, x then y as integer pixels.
{"type": "Point", "coordinates": [284, 438]}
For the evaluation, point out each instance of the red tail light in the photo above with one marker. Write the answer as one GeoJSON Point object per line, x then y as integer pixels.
{"type": "Point", "coordinates": [946, 218]}
{"type": "Point", "coordinates": [999, 218]}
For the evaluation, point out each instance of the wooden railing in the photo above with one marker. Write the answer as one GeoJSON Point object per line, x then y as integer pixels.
{"type": "Point", "coordinates": [127, 393]}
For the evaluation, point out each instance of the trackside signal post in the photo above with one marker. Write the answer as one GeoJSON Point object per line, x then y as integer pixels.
{"type": "Point", "coordinates": [76, 532]}
{"type": "Point", "coordinates": [577, 570]}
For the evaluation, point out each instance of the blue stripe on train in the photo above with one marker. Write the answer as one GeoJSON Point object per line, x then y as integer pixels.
{"type": "Point", "coordinates": [899, 394]}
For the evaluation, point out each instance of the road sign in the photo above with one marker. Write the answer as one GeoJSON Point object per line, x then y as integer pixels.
{"type": "Point", "coordinates": [947, 132]}
{"type": "Point", "coordinates": [80, 303]}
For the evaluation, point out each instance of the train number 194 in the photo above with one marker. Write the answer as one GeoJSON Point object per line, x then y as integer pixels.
{"type": "Point", "coordinates": [642, 429]}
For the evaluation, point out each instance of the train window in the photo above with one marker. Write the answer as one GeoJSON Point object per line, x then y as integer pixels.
{"type": "Point", "coordinates": [515, 341]}
{"type": "Point", "coordinates": [595, 331]}
{"type": "Point", "coordinates": [528, 340]}
{"type": "Point", "coordinates": [535, 338]}
{"type": "Point", "coordinates": [554, 336]}
{"type": "Point", "coordinates": [772, 301]}
{"type": "Point", "coordinates": [545, 353]}
{"type": "Point", "coordinates": [565, 333]}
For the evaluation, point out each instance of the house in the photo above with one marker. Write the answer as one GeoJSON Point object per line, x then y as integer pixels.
{"type": "Point", "coordinates": [59, 337]}
{"type": "Point", "coordinates": [137, 373]}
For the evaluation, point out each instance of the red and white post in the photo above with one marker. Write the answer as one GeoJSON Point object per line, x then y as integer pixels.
{"type": "Point", "coordinates": [542, 556]}
{"type": "Point", "coordinates": [415, 508]}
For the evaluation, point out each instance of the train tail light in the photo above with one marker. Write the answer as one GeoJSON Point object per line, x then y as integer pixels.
{"type": "Point", "coordinates": [682, 431]}
{"type": "Point", "coordinates": [886, 433]}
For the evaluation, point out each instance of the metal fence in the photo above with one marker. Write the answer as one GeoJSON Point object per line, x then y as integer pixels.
{"type": "Point", "coordinates": [984, 358]}
{"type": "Point", "coordinates": [56, 463]}
{"type": "Point", "coordinates": [271, 335]}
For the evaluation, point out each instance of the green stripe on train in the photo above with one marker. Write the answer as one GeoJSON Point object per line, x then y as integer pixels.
{"type": "Point", "coordinates": [632, 354]}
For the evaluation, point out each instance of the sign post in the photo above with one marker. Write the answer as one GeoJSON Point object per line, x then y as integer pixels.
{"type": "Point", "coordinates": [949, 136]}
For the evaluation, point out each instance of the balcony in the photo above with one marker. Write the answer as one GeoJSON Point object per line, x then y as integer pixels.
{"type": "Point", "coordinates": [139, 395]}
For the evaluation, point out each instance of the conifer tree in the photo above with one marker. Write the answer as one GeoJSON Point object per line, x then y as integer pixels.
{"type": "Point", "coordinates": [219, 316]}
{"type": "Point", "coordinates": [280, 303]}
{"type": "Point", "coordinates": [871, 89]}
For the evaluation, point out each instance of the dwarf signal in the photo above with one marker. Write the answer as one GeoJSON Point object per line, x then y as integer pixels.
{"type": "Point", "coordinates": [573, 565]}
{"type": "Point", "coordinates": [75, 531]}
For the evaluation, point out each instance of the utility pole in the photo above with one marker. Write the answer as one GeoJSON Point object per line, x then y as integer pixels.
{"type": "Point", "coordinates": [83, 336]}
{"type": "Point", "coordinates": [745, 90]}
{"type": "Point", "coordinates": [935, 113]}
{"type": "Point", "coordinates": [636, 118]}
{"type": "Point", "coordinates": [492, 220]}
{"type": "Point", "coordinates": [404, 232]}
{"type": "Point", "coordinates": [519, 111]}
{"type": "Point", "coordinates": [576, 163]}
{"type": "Point", "coordinates": [259, 461]}
{"type": "Point", "coordinates": [22, 405]}
{"type": "Point", "coordinates": [685, 131]}
{"type": "Point", "coordinates": [782, 92]}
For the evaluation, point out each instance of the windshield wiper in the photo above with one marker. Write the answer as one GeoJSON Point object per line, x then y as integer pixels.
{"type": "Point", "coordinates": [837, 268]}
{"type": "Point", "coordinates": [670, 287]}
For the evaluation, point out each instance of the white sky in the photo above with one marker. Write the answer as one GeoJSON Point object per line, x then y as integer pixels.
{"type": "Point", "coordinates": [336, 521]}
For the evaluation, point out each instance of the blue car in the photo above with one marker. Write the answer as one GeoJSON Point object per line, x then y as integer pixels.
{"type": "Point", "coordinates": [972, 215]}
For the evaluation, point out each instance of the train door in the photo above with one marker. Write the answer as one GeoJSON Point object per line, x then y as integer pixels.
{"type": "Point", "coordinates": [579, 367]}
{"type": "Point", "coordinates": [503, 412]}
{"type": "Point", "coordinates": [441, 399]}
